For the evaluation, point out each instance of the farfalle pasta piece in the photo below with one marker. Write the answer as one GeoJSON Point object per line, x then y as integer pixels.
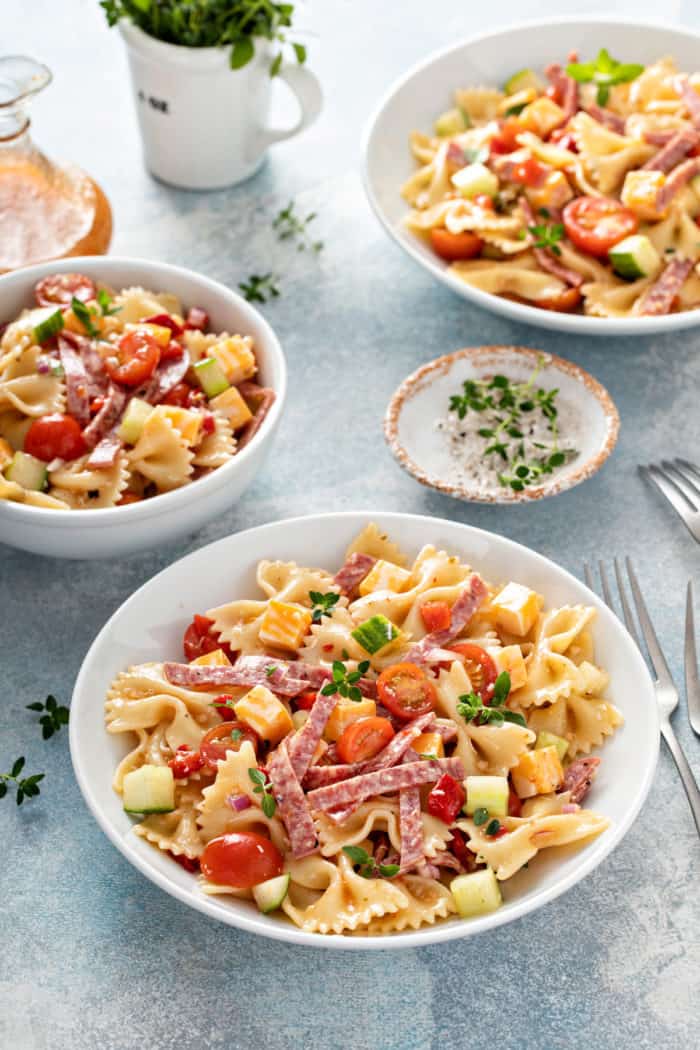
{"type": "Point", "coordinates": [521, 278]}
{"type": "Point", "coordinates": [148, 680]}
{"type": "Point", "coordinates": [378, 815]}
{"type": "Point", "coordinates": [584, 721]}
{"type": "Point", "coordinates": [216, 448]}
{"type": "Point", "coordinates": [330, 639]}
{"type": "Point", "coordinates": [24, 389]}
{"type": "Point", "coordinates": [216, 817]}
{"type": "Point", "coordinates": [677, 233]}
{"type": "Point", "coordinates": [83, 488]}
{"type": "Point", "coordinates": [614, 299]}
{"type": "Point", "coordinates": [289, 582]}
{"type": "Point", "coordinates": [481, 103]}
{"type": "Point", "coordinates": [135, 304]}
{"type": "Point", "coordinates": [377, 544]}
{"type": "Point", "coordinates": [161, 454]}
{"type": "Point", "coordinates": [176, 832]}
{"type": "Point", "coordinates": [428, 901]}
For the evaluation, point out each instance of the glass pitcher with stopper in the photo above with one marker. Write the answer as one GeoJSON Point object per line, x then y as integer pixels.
{"type": "Point", "coordinates": [47, 210]}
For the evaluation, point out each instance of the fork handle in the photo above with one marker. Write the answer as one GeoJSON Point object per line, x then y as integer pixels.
{"type": "Point", "coordinates": [689, 783]}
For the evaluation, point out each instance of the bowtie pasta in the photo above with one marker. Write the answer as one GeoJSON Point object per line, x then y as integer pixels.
{"type": "Point", "coordinates": [574, 191]}
{"type": "Point", "coordinates": [369, 750]}
{"type": "Point", "coordinates": [111, 398]}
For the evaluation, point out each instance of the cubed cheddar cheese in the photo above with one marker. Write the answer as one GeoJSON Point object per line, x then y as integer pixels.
{"type": "Point", "coordinates": [231, 405]}
{"type": "Point", "coordinates": [554, 192]}
{"type": "Point", "coordinates": [187, 423]}
{"type": "Point", "coordinates": [384, 576]}
{"type": "Point", "coordinates": [263, 712]}
{"type": "Point", "coordinates": [640, 191]}
{"type": "Point", "coordinates": [345, 713]}
{"type": "Point", "coordinates": [538, 772]}
{"type": "Point", "coordinates": [161, 333]}
{"type": "Point", "coordinates": [217, 658]}
{"type": "Point", "coordinates": [515, 609]}
{"type": "Point", "coordinates": [510, 659]}
{"type": "Point", "coordinates": [72, 324]}
{"type": "Point", "coordinates": [284, 625]}
{"type": "Point", "coordinates": [6, 453]}
{"type": "Point", "coordinates": [236, 358]}
{"type": "Point", "coordinates": [542, 116]}
{"type": "Point", "coordinates": [429, 744]}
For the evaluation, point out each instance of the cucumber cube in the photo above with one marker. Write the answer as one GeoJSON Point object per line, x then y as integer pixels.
{"type": "Point", "coordinates": [545, 739]}
{"type": "Point", "coordinates": [635, 257]}
{"type": "Point", "coordinates": [376, 633]}
{"type": "Point", "coordinates": [474, 180]}
{"type": "Point", "coordinates": [523, 80]}
{"type": "Point", "coordinates": [27, 471]}
{"type": "Point", "coordinates": [136, 414]}
{"type": "Point", "coordinates": [476, 894]}
{"type": "Point", "coordinates": [269, 895]}
{"type": "Point", "coordinates": [450, 123]}
{"type": "Point", "coordinates": [489, 793]}
{"type": "Point", "coordinates": [211, 377]}
{"type": "Point", "coordinates": [149, 789]}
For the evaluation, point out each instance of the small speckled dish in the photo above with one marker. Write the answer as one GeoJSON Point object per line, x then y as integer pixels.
{"type": "Point", "coordinates": [423, 398]}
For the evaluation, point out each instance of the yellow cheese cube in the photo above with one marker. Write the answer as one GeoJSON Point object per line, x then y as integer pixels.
{"type": "Point", "coordinates": [232, 405]}
{"type": "Point", "coordinates": [161, 333]}
{"type": "Point", "coordinates": [345, 713]}
{"type": "Point", "coordinates": [263, 712]}
{"type": "Point", "coordinates": [284, 625]}
{"type": "Point", "coordinates": [384, 576]}
{"type": "Point", "coordinates": [429, 744]}
{"type": "Point", "coordinates": [640, 191]}
{"type": "Point", "coordinates": [520, 98]}
{"type": "Point", "coordinates": [72, 324]}
{"type": "Point", "coordinates": [515, 609]}
{"type": "Point", "coordinates": [6, 453]}
{"type": "Point", "coordinates": [554, 192]}
{"type": "Point", "coordinates": [538, 772]}
{"type": "Point", "coordinates": [188, 423]}
{"type": "Point", "coordinates": [217, 658]}
{"type": "Point", "coordinates": [542, 116]}
{"type": "Point", "coordinates": [511, 660]}
{"type": "Point", "coordinates": [236, 358]}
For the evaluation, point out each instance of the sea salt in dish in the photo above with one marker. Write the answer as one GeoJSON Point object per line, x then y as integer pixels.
{"type": "Point", "coordinates": [501, 424]}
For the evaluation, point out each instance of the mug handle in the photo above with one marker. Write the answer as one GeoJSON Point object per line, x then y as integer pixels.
{"type": "Point", "coordinates": [305, 86]}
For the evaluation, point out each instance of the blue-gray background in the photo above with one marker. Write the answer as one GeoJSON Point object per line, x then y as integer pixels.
{"type": "Point", "coordinates": [94, 957]}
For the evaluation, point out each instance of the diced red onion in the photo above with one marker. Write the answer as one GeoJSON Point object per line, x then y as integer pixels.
{"type": "Point", "coordinates": [43, 367]}
{"type": "Point", "coordinates": [239, 802]}
{"type": "Point", "coordinates": [570, 807]}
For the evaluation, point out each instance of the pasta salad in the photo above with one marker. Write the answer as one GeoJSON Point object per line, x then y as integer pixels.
{"type": "Point", "coordinates": [576, 190]}
{"type": "Point", "coordinates": [367, 750]}
{"type": "Point", "coordinates": [109, 398]}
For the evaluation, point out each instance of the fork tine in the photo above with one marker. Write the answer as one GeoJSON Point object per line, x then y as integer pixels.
{"type": "Point", "coordinates": [626, 608]}
{"type": "Point", "coordinates": [671, 490]}
{"type": "Point", "coordinates": [656, 655]}
{"type": "Point", "coordinates": [693, 468]}
{"type": "Point", "coordinates": [588, 576]}
{"type": "Point", "coordinates": [692, 680]}
{"type": "Point", "coordinates": [607, 593]}
{"type": "Point", "coordinates": [687, 486]}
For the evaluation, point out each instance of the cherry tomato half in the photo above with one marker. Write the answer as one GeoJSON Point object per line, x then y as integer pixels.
{"type": "Point", "coordinates": [241, 859]}
{"type": "Point", "coordinates": [454, 246]}
{"type": "Point", "coordinates": [185, 762]}
{"type": "Point", "coordinates": [227, 736]}
{"type": "Point", "coordinates": [198, 639]}
{"type": "Point", "coordinates": [306, 701]}
{"type": "Point", "coordinates": [136, 358]}
{"type": "Point", "coordinates": [55, 437]}
{"type": "Point", "coordinates": [446, 799]}
{"type": "Point", "coordinates": [505, 141]}
{"type": "Point", "coordinates": [563, 303]}
{"type": "Point", "coordinates": [596, 224]}
{"type": "Point", "coordinates": [364, 739]}
{"type": "Point", "coordinates": [436, 616]}
{"type": "Point", "coordinates": [172, 351]}
{"type": "Point", "coordinates": [528, 173]}
{"type": "Point", "coordinates": [224, 707]}
{"type": "Point", "coordinates": [61, 288]}
{"type": "Point", "coordinates": [480, 668]}
{"type": "Point", "coordinates": [406, 691]}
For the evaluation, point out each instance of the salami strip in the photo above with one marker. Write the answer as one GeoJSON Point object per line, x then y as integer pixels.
{"type": "Point", "coordinates": [676, 181]}
{"type": "Point", "coordinates": [77, 382]}
{"type": "Point", "coordinates": [579, 776]}
{"type": "Point", "coordinates": [357, 789]}
{"type": "Point", "coordinates": [165, 377]}
{"type": "Point", "coordinates": [658, 299]}
{"type": "Point", "coordinates": [105, 453]}
{"type": "Point", "coordinates": [351, 575]}
{"type": "Point", "coordinates": [244, 672]}
{"type": "Point", "coordinates": [263, 398]}
{"type": "Point", "coordinates": [545, 258]}
{"type": "Point", "coordinates": [462, 611]}
{"type": "Point", "coordinates": [306, 740]}
{"type": "Point", "coordinates": [673, 152]}
{"type": "Point", "coordinates": [292, 807]}
{"type": "Point", "coordinates": [567, 89]}
{"type": "Point", "coordinates": [691, 98]}
{"type": "Point", "coordinates": [107, 417]}
{"type": "Point", "coordinates": [606, 117]}
{"type": "Point", "coordinates": [411, 828]}
{"type": "Point", "coordinates": [92, 360]}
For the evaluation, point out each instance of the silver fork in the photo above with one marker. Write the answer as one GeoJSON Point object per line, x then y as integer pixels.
{"type": "Point", "coordinates": [679, 482]}
{"type": "Point", "coordinates": [664, 686]}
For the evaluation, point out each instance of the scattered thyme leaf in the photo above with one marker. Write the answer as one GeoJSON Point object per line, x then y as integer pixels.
{"type": "Point", "coordinates": [258, 288]}
{"type": "Point", "coordinates": [26, 787]}
{"type": "Point", "coordinates": [54, 716]}
{"type": "Point", "coordinates": [291, 227]}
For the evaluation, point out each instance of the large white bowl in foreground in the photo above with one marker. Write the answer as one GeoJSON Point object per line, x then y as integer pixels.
{"type": "Point", "coordinates": [149, 626]}
{"type": "Point", "coordinates": [161, 519]}
{"type": "Point", "coordinates": [414, 102]}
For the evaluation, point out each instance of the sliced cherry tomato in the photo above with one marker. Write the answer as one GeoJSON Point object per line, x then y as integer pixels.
{"type": "Point", "coordinates": [446, 799]}
{"type": "Point", "coordinates": [529, 173]}
{"type": "Point", "coordinates": [241, 859]}
{"type": "Point", "coordinates": [165, 321]}
{"type": "Point", "coordinates": [563, 303]}
{"type": "Point", "coordinates": [136, 359]}
{"type": "Point", "coordinates": [406, 691]}
{"type": "Point", "coordinates": [61, 288]}
{"type": "Point", "coordinates": [185, 762]}
{"type": "Point", "coordinates": [596, 224]}
{"type": "Point", "coordinates": [436, 616]}
{"type": "Point", "coordinates": [172, 351]}
{"type": "Point", "coordinates": [479, 666]}
{"type": "Point", "coordinates": [197, 318]}
{"type": "Point", "coordinates": [224, 707]}
{"type": "Point", "coordinates": [198, 639]}
{"type": "Point", "coordinates": [515, 806]}
{"type": "Point", "coordinates": [185, 862]}
{"type": "Point", "coordinates": [506, 139]}
{"type": "Point", "coordinates": [128, 497]}
{"type": "Point", "coordinates": [563, 138]}
{"type": "Point", "coordinates": [55, 437]}
{"type": "Point", "coordinates": [306, 701]}
{"type": "Point", "coordinates": [453, 246]}
{"type": "Point", "coordinates": [227, 736]}
{"type": "Point", "coordinates": [364, 739]}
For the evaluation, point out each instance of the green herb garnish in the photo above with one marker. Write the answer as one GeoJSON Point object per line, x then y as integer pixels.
{"type": "Point", "coordinates": [85, 316]}
{"type": "Point", "coordinates": [366, 865]}
{"type": "Point", "coordinates": [344, 682]}
{"type": "Point", "coordinates": [472, 708]}
{"type": "Point", "coordinates": [104, 301]}
{"type": "Point", "coordinates": [269, 671]}
{"type": "Point", "coordinates": [236, 735]}
{"type": "Point", "coordinates": [48, 328]}
{"type": "Point", "coordinates": [548, 235]}
{"type": "Point", "coordinates": [220, 702]}
{"type": "Point", "coordinates": [263, 787]}
{"type": "Point", "coordinates": [53, 718]}
{"type": "Point", "coordinates": [605, 72]}
{"type": "Point", "coordinates": [28, 787]}
{"type": "Point", "coordinates": [322, 604]}
{"type": "Point", "coordinates": [260, 287]}
{"type": "Point", "coordinates": [493, 827]}
{"type": "Point", "coordinates": [481, 815]}
{"type": "Point", "coordinates": [289, 226]}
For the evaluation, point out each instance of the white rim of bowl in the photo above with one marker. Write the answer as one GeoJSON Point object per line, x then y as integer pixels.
{"type": "Point", "coordinates": [439, 933]}
{"type": "Point", "coordinates": [582, 324]}
{"type": "Point", "coordinates": [164, 501]}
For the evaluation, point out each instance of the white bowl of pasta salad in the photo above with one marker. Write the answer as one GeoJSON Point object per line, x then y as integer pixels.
{"type": "Point", "coordinates": [137, 401]}
{"type": "Point", "coordinates": [550, 172]}
{"type": "Point", "coordinates": [371, 731]}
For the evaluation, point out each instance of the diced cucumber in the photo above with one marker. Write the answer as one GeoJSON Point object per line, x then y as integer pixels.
{"type": "Point", "coordinates": [211, 377]}
{"type": "Point", "coordinates": [452, 122]}
{"type": "Point", "coordinates": [476, 894]}
{"type": "Point", "coordinates": [521, 81]}
{"type": "Point", "coordinates": [545, 739]}
{"type": "Point", "coordinates": [136, 414]}
{"type": "Point", "coordinates": [51, 326]}
{"type": "Point", "coordinates": [27, 471]}
{"type": "Point", "coordinates": [149, 789]}
{"type": "Point", "coordinates": [375, 633]}
{"type": "Point", "coordinates": [474, 180]}
{"type": "Point", "coordinates": [489, 793]}
{"type": "Point", "coordinates": [635, 257]}
{"type": "Point", "coordinates": [269, 895]}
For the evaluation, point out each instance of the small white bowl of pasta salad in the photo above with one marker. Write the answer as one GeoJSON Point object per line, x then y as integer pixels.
{"type": "Point", "coordinates": [550, 172]}
{"type": "Point", "coordinates": [373, 731]}
{"type": "Point", "coordinates": [137, 401]}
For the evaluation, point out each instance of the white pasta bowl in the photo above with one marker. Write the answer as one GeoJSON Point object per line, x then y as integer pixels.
{"type": "Point", "coordinates": [414, 102]}
{"type": "Point", "coordinates": [113, 531]}
{"type": "Point", "coordinates": [149, 627]}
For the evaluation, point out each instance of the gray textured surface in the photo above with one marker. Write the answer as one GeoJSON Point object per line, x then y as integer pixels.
{"type": "Point", "coordinates": [94, 956]}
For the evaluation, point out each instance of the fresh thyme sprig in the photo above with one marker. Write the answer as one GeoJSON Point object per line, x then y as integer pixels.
{"type": "Point", "coordinates": [259, 287]}
{"type": "Point", "coordinates": [344, 682]}
{"type": "Point", "coordinates": [27, 787]}
{"type": "Point", "coordinates": [289, 226]}
{"type": "Point", "coordinates": [264, 788]}
{"type": "Point", "coordinates": [472, 708]}
{"type": "Point", "coordinates": [367, 866]}
{"type": "Point", "coordinates": [53, 718]}
{"type": "Point", "coordinates": [548, 235]}
{"type": "Point", "coordinates": [322, 604]}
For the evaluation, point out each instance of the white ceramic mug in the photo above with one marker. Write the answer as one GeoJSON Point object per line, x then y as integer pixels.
{"type": "Point", "coordinates": [203, 124]}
